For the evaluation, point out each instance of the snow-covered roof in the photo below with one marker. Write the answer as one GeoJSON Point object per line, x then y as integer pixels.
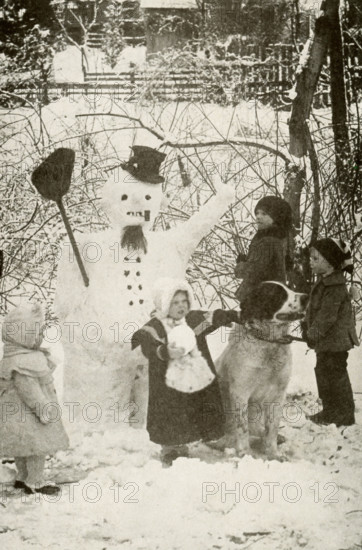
{"type": "Point", "coordinates": [169, 4]}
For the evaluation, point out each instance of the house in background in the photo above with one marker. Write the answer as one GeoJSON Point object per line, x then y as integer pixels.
{"type": "Point", "coordinates": [92, 15]}
{"type": "Point", "coordinates": [159, 24]}
{"type": "Point", "coordinates": [169, 23]}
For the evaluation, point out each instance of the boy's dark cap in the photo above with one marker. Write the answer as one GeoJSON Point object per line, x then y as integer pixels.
{"type": "Point", "coordinates": [333, 253]}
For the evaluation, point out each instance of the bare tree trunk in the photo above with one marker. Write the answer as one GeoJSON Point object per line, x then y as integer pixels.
{"type": "Point", "coordinates": [295, 21]}
{"type": "Point", "coordinates": [338, 89]}
{"type": "Point", "coordinates": [307, 76]}
{"type": "Point", "coordinates": [314, 164]}
{"type": "Point", "coordinates": [293, 187]}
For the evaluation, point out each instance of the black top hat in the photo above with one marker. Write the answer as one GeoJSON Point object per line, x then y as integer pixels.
{"type": "Point", "coordinates": [145, 163]}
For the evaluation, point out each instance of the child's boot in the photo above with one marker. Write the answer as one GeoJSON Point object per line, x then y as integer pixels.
{"type": "Point", "coordinates": [35, 481]}
{"type": "Point", "coordinates": [46, 489]}
{"type": "Point", "coordinates": [318, 418]}
{"type": "Point", "coordinates": [22, 474]}
{"type": "Point", "coordinates": [169, 453]}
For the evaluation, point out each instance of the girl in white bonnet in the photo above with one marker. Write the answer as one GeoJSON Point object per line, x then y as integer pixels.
{"type": "Point", "coordinates": [187, 369]}
{"type": "Point", "coordinates": [184, 402]}
{"type": "Point", "coordinates": [30, 421]}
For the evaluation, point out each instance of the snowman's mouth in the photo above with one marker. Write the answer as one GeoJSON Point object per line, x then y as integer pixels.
{"type": "Point", "coordinates": [135, 213]}
{"type": "Point", "coordinates": [140, 214]}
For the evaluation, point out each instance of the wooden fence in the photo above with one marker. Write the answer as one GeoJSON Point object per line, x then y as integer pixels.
{"type": "Point", "coordinates": [175, 87]}
{"type": "Point", "coordinates": [183, 85]}
{"type": "Point", "coordinates": [262, 73]}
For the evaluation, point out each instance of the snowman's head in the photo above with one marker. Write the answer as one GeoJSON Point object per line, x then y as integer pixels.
{"type": "Point", "coordinates": [132, 195]}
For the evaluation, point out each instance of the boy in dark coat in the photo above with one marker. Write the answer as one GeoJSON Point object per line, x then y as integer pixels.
{"type": "Point", "coordinates": [176, 418]}
{"type": "Point", "coordinates": [329, 329]}
{"type": "Point", "coordinates": [266, 259]}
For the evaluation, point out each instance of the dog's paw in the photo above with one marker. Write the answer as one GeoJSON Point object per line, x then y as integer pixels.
{"type": "Point", "coordinates": [216, 445]}
{"type": "Point", "coordinates": [225, 442]}
{"type": "Point", "coordinates": [242, 451]}
{"type": "Point", "coordinates": [280, 457]}
{"type": "Point", "coordinates": [243, 454]}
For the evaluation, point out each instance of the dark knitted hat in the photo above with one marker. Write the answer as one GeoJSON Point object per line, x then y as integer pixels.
{"type": "Point", "coordinates": [145, 164]}
{"type": "Point", "coordinates": [336, 252]}
{"type": "Point", "coordinates": [278, 209]}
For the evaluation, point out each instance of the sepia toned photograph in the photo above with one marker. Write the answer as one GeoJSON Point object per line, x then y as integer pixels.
{"type": "Point", "coordinates": [180, 274]}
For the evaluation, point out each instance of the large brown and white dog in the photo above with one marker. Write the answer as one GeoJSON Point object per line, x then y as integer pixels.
{"type": "Point", "coordinates": [255, 367]}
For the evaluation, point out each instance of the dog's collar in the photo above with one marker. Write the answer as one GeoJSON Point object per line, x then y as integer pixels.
{"type": "Point", "coordinates": [266, 332]}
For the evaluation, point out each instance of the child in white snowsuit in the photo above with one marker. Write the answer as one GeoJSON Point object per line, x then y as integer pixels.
{"type": "Point", "coordinates": [30, 416]}
{"type": "Point", "coordinates": [194, 410]}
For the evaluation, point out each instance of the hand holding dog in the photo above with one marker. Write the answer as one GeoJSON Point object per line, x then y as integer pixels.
{"type": "Point", "coordinates": [233, 317]}
{"type": "Point", "coordinates": [306, 336]}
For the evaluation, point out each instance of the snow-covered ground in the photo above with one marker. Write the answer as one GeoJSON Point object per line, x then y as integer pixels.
{"type": "Point", "coordinates": [123, 498]}
{"type": "Point", "coordinates": [67, 64]}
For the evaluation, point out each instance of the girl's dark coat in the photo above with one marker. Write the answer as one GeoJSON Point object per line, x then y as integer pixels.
{"type": "Point", "coordinates": [265, 261]}
{"type": "Point", "coordinates": [176, 418]}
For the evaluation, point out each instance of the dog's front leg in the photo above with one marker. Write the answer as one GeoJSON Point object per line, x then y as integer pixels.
{"type": "Point", "coordinates": [237, 433]}
{"type": "Point", "coordinates": [272, 416]}
{"type": "Point", "coordinates": [241, 430]}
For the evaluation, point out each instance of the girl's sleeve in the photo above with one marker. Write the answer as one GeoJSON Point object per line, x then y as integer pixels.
{"type": "Point", "coordinates": [205, 322]}
{"type": "Point", "coordinates": [31, 394]}
{"type": "Point", "coordinates": [151, 348]}
{"type": "Point", "coordinates": [54, 354]}
{"type": "Point", "coordinates": [255, 267]}
{"type": "Point", "coordinates": [240, 268]}
{"type": "Point", "coordinates": [240, 265]}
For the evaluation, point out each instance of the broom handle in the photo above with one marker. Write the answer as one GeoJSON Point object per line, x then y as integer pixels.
{"type": "Point", "coordinates": [73, 243]}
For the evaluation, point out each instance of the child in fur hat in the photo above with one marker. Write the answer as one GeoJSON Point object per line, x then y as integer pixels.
{"type": "Point", "coordinates": [267, 256]}
{"type": "Point", "coordinates": [329, 329]}
{"type": "Point", "coordinates": [182, 407]}
{"type": "Point", "coordinates": [30, 420]}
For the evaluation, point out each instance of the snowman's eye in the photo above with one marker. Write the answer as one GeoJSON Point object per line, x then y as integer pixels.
{"type": "Point", "coordinates": [147, 197]}
{"type": "Point", "coordinates": [124, 197]}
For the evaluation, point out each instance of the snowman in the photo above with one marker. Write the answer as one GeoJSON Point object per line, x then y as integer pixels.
{"type": "Point", "coordinates": [97, 321]}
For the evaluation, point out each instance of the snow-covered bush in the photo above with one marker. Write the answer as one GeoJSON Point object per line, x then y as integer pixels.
{"type": "Point", "coordinates": [245, 146]}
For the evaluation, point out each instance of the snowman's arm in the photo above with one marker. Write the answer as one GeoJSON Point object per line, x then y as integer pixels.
{"type": "Point", "coordinates": [54, 353]}
{"type": "Point", "coordinates": [199, 225]}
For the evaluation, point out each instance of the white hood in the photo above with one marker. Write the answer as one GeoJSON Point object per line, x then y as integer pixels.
{"type": "Point", "coordinates": [164, 290]}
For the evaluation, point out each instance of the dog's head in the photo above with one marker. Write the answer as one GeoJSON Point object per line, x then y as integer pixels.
{"type": "Point", "coordinates": [273, 301]}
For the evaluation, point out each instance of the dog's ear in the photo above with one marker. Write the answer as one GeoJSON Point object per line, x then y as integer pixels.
{"type": "Point", "coordinates": [264, 301]}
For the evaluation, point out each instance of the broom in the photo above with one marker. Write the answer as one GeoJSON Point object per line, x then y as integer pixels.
{"type": "Point", "coordinates": [52, 180]}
